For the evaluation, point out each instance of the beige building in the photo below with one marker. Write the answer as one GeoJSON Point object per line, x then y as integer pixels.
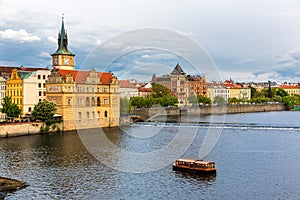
{"type": "Point", "coordinates": [84, 99]}
{"type": "Point", "coordinates": [182, 85]}
{"type": "Point", "coordinates": [217, 89]}
{"type": "Point", "coordinates": [291, 89]}
{"type": "Point", "coordinates": [128, 89]}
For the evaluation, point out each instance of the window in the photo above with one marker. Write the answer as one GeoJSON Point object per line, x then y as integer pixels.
{"type": "Point", "coordinates": [44, 93]}
{"type": "Point", "coordinates": [93, 115]}
{"type": "Point", "coordinates": [44, 85]}
{"type": "Point", "coordinates": [87, 115]}
{"type": "Point", "coordinates": [98, 114]}
{"type": "Point", "coordinates": [105, 101]}
{"type": "Point", "coordinates": [39, 76]}
{"type": "Point", "coordinates": [44, 77]}
{"type": "Point", "coordinates": [105, 114]}
{"type": "Point", "coordinates": [93, 101]}
{"type": "Point", "coordinates": [79, 101]}
{"type": "Point", "coordinates": [79, 115]}
{"type": "Point", "coordinates": [87, 101]}
{"type": "Point", "coordinates": [69, 101]}
{"type": "Point", "coordinates": [40, 85]}
{"type": "Point", "coordinates": [98, 101]}
{"type": "Point", "coordinates": [40, 93]}
{"type": "Point", "coordinates": [29, 109]}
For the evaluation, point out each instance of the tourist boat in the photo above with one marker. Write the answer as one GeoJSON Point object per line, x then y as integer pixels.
{"type": "Point", "coordinates": [198, 166]}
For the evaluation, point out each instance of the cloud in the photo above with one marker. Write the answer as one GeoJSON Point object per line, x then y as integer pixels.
{"type": "Point", "coordinates": [52, 39]}
{"type": "Point", "coordinates": [44, 55]}
{"type": "Point", "coordinates": [19, 36]}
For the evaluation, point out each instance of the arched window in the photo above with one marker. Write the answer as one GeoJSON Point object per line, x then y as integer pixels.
{"type": "Point", "coordinates": [98, 101]}
{"type": "Point", "coordinates": [79, 115]}
{"type": "Point", "coordinates": [87, 101]}
{"type": "Point", "coordinates": [93, 101]}
{"type": "Point", "coordinates": [87, 115]}
{"type": "Point", "coordinates": [98, 114]}
{"type": "Point", "coordinates": [93, 115]}
{"type": "Point", "coordinates": [105, 114]}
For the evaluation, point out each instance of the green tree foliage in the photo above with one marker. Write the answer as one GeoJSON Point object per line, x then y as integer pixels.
{"type": "Point", "coordinates": [44, 110]}
{"type": "Point", "coordinates": [124, 105]}
{"type": "Point", "coordinates": [291, 101]}
{"type": "Point", "coordinates": [9, 108]}
{"type": "Point", "coordinates": [160, 91]}
{"type": "Point", "coordinates": [219, 100]}
{"type": "Point", "coordinates": [203, 100]}
{"type": "Point", "coordinates": [167, 100]}
{"type": "Point", "coordinates": [199, 99]}
{"type": "Point", "coordinates": [281, 92]}
{"type": "Point", "coordinates": [193, 99]}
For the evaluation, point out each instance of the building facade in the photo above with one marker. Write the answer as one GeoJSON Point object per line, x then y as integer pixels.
{"type": "Point", "coordinates": [2, 94]}
{"type": "Point", "coordinates": [84, 99]}
{"type": "Point", "coordinates": [27, 88]}
{"type": "Point", "coordinates": [128, 89]}
{"type": "Point", "coordinates": [291, 89]}
{"type": "Point", "coordinates": [182, 85]}
{"type": "Point", "coordinates": [217, 89]}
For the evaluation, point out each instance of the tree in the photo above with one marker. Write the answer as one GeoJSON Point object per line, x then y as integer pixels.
{"type": "Point", "coordinates": [219, 100]}
{"type": "Point", "coordinates": [160, 90]}
{"type": "Point", "coordinates": [281, 92]}
{"type": "Point", "coordinates": [203, 99]}
{"type": "Point", "coordinates": [124, 105]}
{"type": "Point", "coordinates": [9, 108]}
{"type": "Point", "coordinates": [193, 99]}
{"type": "Point", "coordinates": [44, 110]}
{"type": "Point", "coordinates": [291, 101]}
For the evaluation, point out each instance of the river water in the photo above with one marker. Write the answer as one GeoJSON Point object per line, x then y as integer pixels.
{"type": "Point", "coordinates": [257, 157]}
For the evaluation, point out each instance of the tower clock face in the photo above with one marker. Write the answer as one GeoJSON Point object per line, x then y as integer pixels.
{"type": "Point", "coordinates": [66, 61]}
{"type": "Point", "coordinates": [55, 61]}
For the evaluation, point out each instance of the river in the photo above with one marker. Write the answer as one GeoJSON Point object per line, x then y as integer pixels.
{"type": "Point", "coordinates": [257, 157]}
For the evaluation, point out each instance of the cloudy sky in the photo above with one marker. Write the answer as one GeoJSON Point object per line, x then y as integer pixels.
{"type": "Point", "coordinates": [246, 40]}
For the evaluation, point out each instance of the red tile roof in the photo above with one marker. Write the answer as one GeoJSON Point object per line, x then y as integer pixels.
{"type": "Point", "coordinates": [289, 86]}
{"type": "Point", "coordinates": [142, 89]}
{"type": "Point", "coordinates": [126, 84]}
{"type": "Point", "coordinates": [80, 76]}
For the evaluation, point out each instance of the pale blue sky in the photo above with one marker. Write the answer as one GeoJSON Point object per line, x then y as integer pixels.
{"type": "Point", "coordinates": [249, 40]}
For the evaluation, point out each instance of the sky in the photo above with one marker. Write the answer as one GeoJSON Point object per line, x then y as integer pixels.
{"type": "Point", "coordinates": [245, 40]}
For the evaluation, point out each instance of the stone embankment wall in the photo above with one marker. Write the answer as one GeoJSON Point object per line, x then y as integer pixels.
{"type": "Point", "coordinates": [146, 113]}
{"type": "Point", "coordinates": [231, 109]}
{"type": "Point", "coordinates": [19, 129]}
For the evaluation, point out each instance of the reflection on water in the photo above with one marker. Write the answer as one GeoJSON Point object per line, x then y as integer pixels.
{"type": "Point", "coordinates": [251, 164]}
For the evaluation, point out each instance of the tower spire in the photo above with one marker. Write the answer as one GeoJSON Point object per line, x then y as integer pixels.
{"type": "Point", "coordinates": [62, 40]}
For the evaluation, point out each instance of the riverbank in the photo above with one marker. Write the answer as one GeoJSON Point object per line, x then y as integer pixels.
{"type": "Point", "coordinates": [145, 114]}
{"type": "Point", "coordinates": [26, 128]}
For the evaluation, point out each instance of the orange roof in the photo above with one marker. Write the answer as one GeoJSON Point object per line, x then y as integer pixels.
{"type": "Point", "coordinates": [289, 86]}
{"type": "Point", "coordinates": [142, 89]}
{"type": "Point", "coordinates": [126, 84]}
{"type": "Point", "coordinates": [232, 85]}
{"type": "Point", "coordinates": [80, 76]}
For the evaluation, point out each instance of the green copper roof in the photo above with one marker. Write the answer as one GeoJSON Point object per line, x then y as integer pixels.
{"type": "Point", "coordinates": [62, 41]}
{"type": "Point", "coordinates": [24, 74]}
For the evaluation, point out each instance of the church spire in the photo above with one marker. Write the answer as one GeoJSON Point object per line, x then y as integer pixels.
{"type": "Point", "coordinates": [62, 41]}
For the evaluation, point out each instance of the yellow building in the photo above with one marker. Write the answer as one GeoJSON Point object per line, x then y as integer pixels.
{"type": "Point", "coordinates": [238, 91]}
{"type": "Point", "coordinates": [291, 89]}
{"type": "Point", "coordinates": [14, 88]}
{"type": "Point", "coordinates": [26, 87]}
{"type": "Point", "coordinates": [85, 99]}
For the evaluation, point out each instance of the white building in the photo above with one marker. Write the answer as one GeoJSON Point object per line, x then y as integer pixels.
{"type": "Point", "coordinates": [128, 89]}
{"type": "Point", "coordinates": [2, 94]}
{"type": "Point", "coordinates": [217, 89]}
{"type": "Point", "coordinates": [34, 89]}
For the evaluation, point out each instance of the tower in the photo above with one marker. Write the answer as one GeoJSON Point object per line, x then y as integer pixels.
{"type": "Point", "coordinates": [63, 58]}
